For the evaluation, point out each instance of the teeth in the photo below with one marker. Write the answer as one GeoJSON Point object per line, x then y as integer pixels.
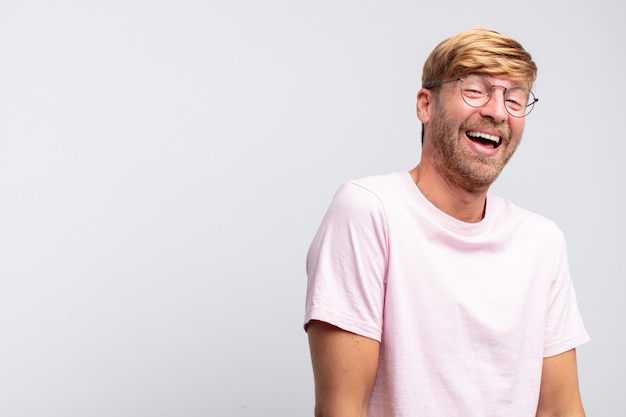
{"type": "Point", "coordinates": [485, 136]}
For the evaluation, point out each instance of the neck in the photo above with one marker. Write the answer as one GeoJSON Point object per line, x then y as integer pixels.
{"type": "Point", "coordinates": [452, 199]}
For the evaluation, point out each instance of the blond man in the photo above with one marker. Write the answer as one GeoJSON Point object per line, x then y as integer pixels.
{"type": "Point", "coordinates": [429, 296]}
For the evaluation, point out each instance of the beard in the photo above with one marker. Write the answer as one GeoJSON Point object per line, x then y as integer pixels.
{"type": "Point", "coordinates": [461, 166]}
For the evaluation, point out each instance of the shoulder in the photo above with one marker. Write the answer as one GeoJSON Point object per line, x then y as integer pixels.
{"type": "Point", "coordinates": [372, 190]}
{"type": "Point", "coordinates": [507, 214]}
{"type": "Point", "coordinates": [363, 204]}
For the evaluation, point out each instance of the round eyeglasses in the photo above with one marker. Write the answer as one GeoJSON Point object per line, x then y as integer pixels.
{"type": "Point", "coordinates": [477, 91]}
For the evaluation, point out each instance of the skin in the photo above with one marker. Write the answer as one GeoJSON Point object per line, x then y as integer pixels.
{"type": "Point", "coordinates": [454, 173]}
{"type": "Point", "coordinates": [344, 369]}
{"type": "Point", "coordinates": [560, 393]}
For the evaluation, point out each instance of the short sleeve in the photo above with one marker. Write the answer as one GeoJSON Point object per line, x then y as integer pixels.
{"type": "Point", "coordinates": [565, 329]}
{"type": "Point", "coordinates": [347, 264]}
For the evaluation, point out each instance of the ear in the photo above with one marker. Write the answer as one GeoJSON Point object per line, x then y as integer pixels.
{"type": "Point", "coordinates": [424, 105]}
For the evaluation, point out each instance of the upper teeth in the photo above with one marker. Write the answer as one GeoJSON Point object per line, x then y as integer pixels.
{"type": "Point", "coordinates": [492, 138]}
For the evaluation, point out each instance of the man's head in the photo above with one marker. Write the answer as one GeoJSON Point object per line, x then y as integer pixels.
{"type": "Point", "coordinates": [472, 121]}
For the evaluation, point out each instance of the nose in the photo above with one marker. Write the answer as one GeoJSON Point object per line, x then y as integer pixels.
{"type": "Point", "coordinates": [494, 109]}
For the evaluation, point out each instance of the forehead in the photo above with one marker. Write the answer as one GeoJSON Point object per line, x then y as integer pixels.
{"type": "Point", "coordinates": [502, 80]}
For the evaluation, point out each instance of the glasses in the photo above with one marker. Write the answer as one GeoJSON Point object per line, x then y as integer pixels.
{"type": "Point", "coordinates": [477, 91]}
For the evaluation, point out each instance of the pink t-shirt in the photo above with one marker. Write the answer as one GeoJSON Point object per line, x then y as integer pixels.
{"type": "Point", "coordinates": [465, 312]}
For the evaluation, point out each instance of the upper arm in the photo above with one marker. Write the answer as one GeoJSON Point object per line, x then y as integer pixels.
{"type": "Point", "coordinates": [559, 394]}
{"type": "Point", "coordinates": [344, 369]}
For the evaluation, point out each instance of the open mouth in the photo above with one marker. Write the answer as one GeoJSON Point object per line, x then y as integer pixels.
{"type": "Point", "coordinates": [484, 138]}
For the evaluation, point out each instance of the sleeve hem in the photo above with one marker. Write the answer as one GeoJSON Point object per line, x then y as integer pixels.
{"type": "Point", "coordinates": [350, 324]}
{"type": "Point", "coordinates": [554, 349]}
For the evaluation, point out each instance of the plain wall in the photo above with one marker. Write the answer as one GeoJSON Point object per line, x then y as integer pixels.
{"type": "Point", "coordinates": [165, 164]}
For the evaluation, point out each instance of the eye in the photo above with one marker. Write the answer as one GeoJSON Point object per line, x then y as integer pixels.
{"type": "Point", "coordinates": [474, 91]}
{"type": "Point", "coordinates": [514, 104]}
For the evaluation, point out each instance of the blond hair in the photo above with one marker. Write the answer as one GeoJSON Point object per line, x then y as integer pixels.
{"type": "Point", "coordinates": [479, 51]}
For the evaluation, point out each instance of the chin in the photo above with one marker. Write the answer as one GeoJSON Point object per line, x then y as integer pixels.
{"type": "Point", "coordinates": [479, 178]}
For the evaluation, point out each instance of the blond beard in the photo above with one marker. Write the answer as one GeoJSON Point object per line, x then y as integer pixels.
{"type": "Point", "coordinates": [471, 172]}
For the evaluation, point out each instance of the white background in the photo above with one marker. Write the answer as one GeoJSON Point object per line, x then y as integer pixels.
{"type": "Point", "coordinates": [165, 164]}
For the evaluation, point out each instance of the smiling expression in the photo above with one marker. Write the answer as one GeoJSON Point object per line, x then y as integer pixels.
{"type": "Point", "coordinates": [470, 146]}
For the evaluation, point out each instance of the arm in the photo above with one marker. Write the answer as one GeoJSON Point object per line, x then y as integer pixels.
{"type": "Point", "coordinates": [344, 369]}
{"type": "Point", "coordinates": [559, 395]}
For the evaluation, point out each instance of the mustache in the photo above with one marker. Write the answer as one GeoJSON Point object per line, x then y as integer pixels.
{"type": "Point", "coordinates": [502, 128]}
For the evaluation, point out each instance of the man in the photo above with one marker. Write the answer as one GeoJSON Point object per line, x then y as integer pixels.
{"type": "Point", "coordinates": [429, 296]}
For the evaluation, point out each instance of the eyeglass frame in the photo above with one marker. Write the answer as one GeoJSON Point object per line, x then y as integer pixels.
{"type": "Point", "coordinates": [531, 103]}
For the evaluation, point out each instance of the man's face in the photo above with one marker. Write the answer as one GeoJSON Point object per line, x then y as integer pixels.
{"type": "Point", "coordinates": [470, 146]}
